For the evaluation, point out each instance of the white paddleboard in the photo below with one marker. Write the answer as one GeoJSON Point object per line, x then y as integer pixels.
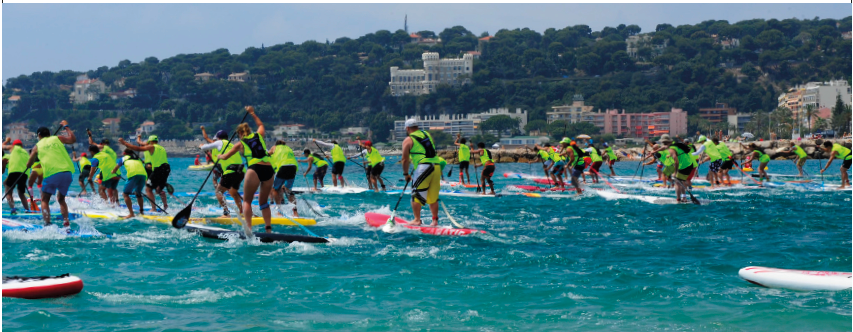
{"type": "Point", "coordinates": [609, 195]}
{"type": "Point", "coordinates": [797, 279]}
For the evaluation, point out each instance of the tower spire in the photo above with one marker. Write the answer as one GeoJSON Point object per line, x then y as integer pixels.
{"type": "Point", "coordinates": [406, 23]}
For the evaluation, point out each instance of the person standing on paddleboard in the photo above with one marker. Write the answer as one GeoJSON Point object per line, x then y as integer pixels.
{"type": "Point", "coordinates": [682, 163]}
{"type": "Point", "coordinates": [85, 170]}
{"type": "Point", "coordinates": [728, 162]}
{"type": "Point", "coordinates": [375, 165]}
{"type": "Point", "coordinates": [801, 156]}
{"type": "Point", "coordinates": [419, 149]}
{"type": "Point", "coordinates": [543, 155]}
{"type": "Point", "coordinates": [763, 159]}
{"type": "Point", "coordinates": [160, 169]}
{"type": "Point", "coordinates": [319, 164]}
{"type": "Point", "coordinates": [230, 171]}
{"type": "Point", "coordinates": [596, 159]}
{"type": "Point", "coordinates": [339, 161]}
{"type": "Point", "coordinates": [558, 159]}
{"type": "Point", "coordinates": [610, 158]}
{"type": "Point", "coordinates": [260, 173]}
{"type": "Point", "coordinates": [57, 166]}
{"type": "Point", "coordinates": [136, 178]}
{"type": "Point", "coordinates": [285, 166]}
{"type": "Point", "coordinates": [836, 150]}
{"type": "Point", "coordinates": [464, 157]}
{"type": "Point", "coordinates": [488, 163]}
{"type": "Point", "coordinates": [713, 156]}
{"type": "Point", "coordinates": [575, 159]}
{"type": "Point", "coordinates": [15, 162]}
{"type": "Point", "coordinates": [102, 161]}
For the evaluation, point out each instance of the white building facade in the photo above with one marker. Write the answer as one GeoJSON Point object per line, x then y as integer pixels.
{"type": "Point", "coordinates": [436, 71]}
{"type": "Point", "coordinates": [466, 124]}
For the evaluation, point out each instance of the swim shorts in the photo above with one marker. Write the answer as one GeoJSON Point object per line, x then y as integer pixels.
{"type": "Point", "coordinates": [135, 184]}
{"type": "Point", "coordinates": [57, 182]}
{"type": "Point", "coordinates": [264, 172]}
{"type": "Point", "coordinates": [426, 183]}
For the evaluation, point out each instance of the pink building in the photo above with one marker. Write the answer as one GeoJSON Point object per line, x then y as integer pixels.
{"type": "Point", "coordinates": [639, 124]}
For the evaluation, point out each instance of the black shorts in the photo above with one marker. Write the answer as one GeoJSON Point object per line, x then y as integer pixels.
{"type": "Point", "coordinates": [684, 173]}
{"type": "Point", "coordinates": [489, 170]}
{"type": "Point", "coordinates": [463, 165]}
{"type": "Point", "coordinates": [159, 177]}
{"type": "Point", "coordinates": [714, 166]}
{"type": "Point", "coordinates": [84, 173]}
{"type": "Point", "coordinates": [338, 168]}
{"type": "Point", "coordinates": [320, 172]}
{"type": "Point", "coordinates": [727, 165]}
{"type": "Point", "coordinates": [846, 163]}
{"type": "Point", "coordinates": [231, 180]}
{"type": "Point", "coordinates": [376, 170]}
{"type": "Point", "coordinates": [265, 172]}
{"type": "Point", "coordinates": [286, 172]}
{"type": "Point", "coordinates": [19, 178]}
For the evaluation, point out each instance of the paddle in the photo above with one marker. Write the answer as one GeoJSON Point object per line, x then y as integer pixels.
{"type": "Point", "coordinates": [308, 185]}
{"type": "Point", "coordinates": [641, 162]}
{"type": "Point", "coordinates": [605, 180]}
{"type": "Point", "coordinates": [278, 207]}
{"type": "Point", "coordinates": [476, 176]}
{"type": "Point", "coordinates": [693, 199]}
{"type": "Point", "coordinates": [365, 168]}
{"type": "Point", "coordinates": [452, 220]}
{"type": "Point", "coordinates": [390, 223]}
{"type": "Point", "coordinates": [363, 162]}
{"type": "Point", "coordinates": [25, 171]}
{"type": "Point", "coordinates": [180, 220]}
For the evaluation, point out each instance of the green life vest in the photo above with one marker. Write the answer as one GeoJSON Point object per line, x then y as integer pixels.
{"type": "Point", "coordinates": [423, 148]}
{"type": "Point", "coordinates": [319, 162]}
{"type": "Point", "coordinates": [235, 159]}
{"type": "Point", "coordinates": [725, 153]}
{"type": "Point", "coordinates": [464, 153]}
{"type": "Point", "coordinates": [18, 159]}
{"type": "Point", "coordinates": [554, 154]}
{"type": "Point", "coordinates": [486, 157]}
{"type": "Point", "coordinates": [695, 159]}
{"type": "Point", "coordinates": [800, 152]}
{"type": "Point", "coordinates": [373, 157]}
{"type": "Point", "coordinates": [712, 150]}
{"type": "Point", "coordinates": [544, 155]}
{"type": "Point", "coordinates": [338, 154]}
{"type": "Point", "coordinates": [681, 153]}
{"type": "Point", "coordinates": [106, 164]}
{"type": "Point", "coordinates": [84, 162]}
{"type": "Point", "coordinates": [133, 167]}
{"type": "Point", "coordinates": [110, 151]}
{"type": "Point", "coordinates": [578, 156]}
{"type": "Point", "coordinates": [594, 156]}
{"type": "Point", "coordinates": [53, 156]}
{"type": "Point", "coordinates": [762, 157]}
{"type": "Point", "coordinates": [255, 149]}
{"type": "Point", "coordinates": [610, 153]}
{"type": "Point", "coordinates": [840, 151]}
{"type": "Point", "coordinates": [157, 158]}
{"type": "Point", "coordinates": [283, 155]}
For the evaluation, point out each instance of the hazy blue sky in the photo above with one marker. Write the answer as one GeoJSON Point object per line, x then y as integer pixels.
{"type": "Point", "coordinates": [52, 37]}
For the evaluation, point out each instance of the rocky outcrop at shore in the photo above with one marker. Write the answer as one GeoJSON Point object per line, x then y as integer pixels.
{"type": "Point", "coordinates": [772, 148]}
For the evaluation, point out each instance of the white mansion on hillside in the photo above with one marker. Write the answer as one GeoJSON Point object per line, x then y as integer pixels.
{"type": "Point", "coordinates": [436, 71]}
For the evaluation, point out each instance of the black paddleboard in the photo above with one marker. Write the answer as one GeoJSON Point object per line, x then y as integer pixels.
{"type": "Point", "coordinates": [222, 234]}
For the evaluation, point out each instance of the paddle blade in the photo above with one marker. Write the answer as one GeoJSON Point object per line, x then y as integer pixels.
{"type": "Point", "coordinates": [449, 171]}
{"type": "Point", "coordinates": [693, 199]}
{"type": "Point", "coordinates": [180, 220]}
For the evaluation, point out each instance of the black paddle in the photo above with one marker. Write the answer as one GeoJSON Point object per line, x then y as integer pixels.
{"type": "Point", "coordinates": [394, 213]}
{"type": "Point", "coordinates": [180, 220]}
{"type": "Point", "coordinates": [25, 171]}
{"type": "Point", "coordinates": [476, 176]}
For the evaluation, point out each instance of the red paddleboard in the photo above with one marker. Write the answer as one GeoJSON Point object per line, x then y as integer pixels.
{"type": "Point", "coordinates": [378, 220]}
{"type": "Point", "coordinates": [547, 181]}
{"type": "Point", "coordinates": [41, 287]}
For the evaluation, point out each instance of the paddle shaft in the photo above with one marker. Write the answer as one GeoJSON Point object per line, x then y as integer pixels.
{"type": "Point", "coordinates": [278, 207]}
{"type": "Point", "coordinates": [605, 180]}
{"type": "Point", "coordinates": [394, 213]}
{"type": "Point", "coordinates": [643, 158]}
{"type": "Point", "coordinates": [692, 198]}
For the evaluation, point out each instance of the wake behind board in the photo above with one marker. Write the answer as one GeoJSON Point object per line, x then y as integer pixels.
{"type": "Point", "coordinates": [378, 220]}
{"type": "Point", "coordinates": [539, 189]}
{"type": "Point", "coordinates": [14, 225]}
{"type": "Point", "coordinates": [797, 279]}
{"type": "Point", "coordinates": [256, 221]}
{"type": "Point", "coordinates": [331, 190]}
{"type": "Point", "coordinates": [224, 234]}
{"type": "Point", "coordinates": [609, 195]}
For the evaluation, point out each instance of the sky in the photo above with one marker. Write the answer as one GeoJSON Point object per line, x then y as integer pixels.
{"type": "Point", "coordinates": [82, 37]}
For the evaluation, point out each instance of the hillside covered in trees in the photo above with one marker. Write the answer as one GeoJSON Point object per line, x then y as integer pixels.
{"type": "Point", "coordinates": [340, 83]}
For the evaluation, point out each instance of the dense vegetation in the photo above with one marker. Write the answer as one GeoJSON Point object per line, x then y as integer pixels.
{"type": "Point", "coordinates": [328, 86]}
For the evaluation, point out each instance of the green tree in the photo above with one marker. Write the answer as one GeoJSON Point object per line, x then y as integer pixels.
{"type": "Point", "coordinates": [500, 124]}
{"type": "Point", "coordinates": [536, 125]}
{"type": "Point", "coordinates": [441, 138]}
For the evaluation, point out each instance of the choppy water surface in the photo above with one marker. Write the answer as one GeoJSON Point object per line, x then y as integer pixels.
{"type": "Point", "coordinates": [545, 264]}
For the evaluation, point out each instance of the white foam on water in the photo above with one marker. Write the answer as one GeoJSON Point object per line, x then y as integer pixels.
{"type": "Point", "coordinates": [416, 315]}
{"type": "Point", "coordinates": [574, 296]}
{"type": "Point", "coordinates": [40, 255]}
{"type": "Point", "coordinates": [350, 241]}
{"type": "Point", "coordinates": [193, 297]}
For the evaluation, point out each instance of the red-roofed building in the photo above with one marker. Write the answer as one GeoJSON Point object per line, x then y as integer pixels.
{"type": "Point", "coordinates": [129, 93]}
{"type": "Point", "coordinates": [475, 54]}
{"type": "Point", "coordinates": [19, 131]}
{"type": "Point", "coordinates": [417, 39]}
{"type": "Point", "coordinates": [10, 103]}
{"type": "Point", "coordinates": [482, 41]}
{"type": "Point", "coordinates": [86, 89]}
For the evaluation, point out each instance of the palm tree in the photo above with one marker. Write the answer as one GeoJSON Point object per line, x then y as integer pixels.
{"type": "Point", "coordinates": [810, 112]}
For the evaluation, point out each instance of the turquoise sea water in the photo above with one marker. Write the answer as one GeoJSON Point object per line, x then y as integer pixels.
{"type": "Point", "coordinates": [546, 264]}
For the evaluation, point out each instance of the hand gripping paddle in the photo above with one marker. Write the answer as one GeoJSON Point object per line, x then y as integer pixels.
{"type": "Point", "coordinates": [180, 220]}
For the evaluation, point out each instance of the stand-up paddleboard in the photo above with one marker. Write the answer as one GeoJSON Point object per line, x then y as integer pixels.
{"type": "Point", "coordinates": [549, 182]}
{"type": "Point", "coordinates": [454, 193]}
{"type": "Point", "coordinates": [38, 216]}
{"type": "Point", "coordinates": [41, 287]}
{"type": "Point", "coordinates": [797, 279]}
{"type": "Point", "coordinates": [224, 234]}
{"type": "Point", "coordinates": [198, 168]}
{"type": "Point", "coordinates": [331, 190]}
{"type": "Point", "coordinates": [523, 176]}
{"type": "Point", "coordinates": [609, 195]}
{"type": "Point", "coordinates": [234, 221]}
{"type": "Point", "coordinates": [379, 220]}
{"type": "Point", "coordinates": [539, 189]}
{"type": "Point", "coordinates": [458, 184]}
{"type": "Point", "coordinates": [14, 225]}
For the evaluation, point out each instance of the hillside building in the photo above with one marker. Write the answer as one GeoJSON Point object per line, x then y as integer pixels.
{"type": "Point", "coordinates": [719, 113]}
{"type": "Point", "coordinates": [436, 71]}
{"type": "Point", "coordinates": [571, 113]}
{"type": "Point", "coordinates": [466, 124]}
{"type": "Point", "coordinates": [639, 125]}
{"type": "Point", "coordinates": [86, 90]}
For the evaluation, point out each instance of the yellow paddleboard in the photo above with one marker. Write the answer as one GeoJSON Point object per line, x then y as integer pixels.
{"type": "Point", "coordinates": [228, 221]}
{"type": "Point", "coordinates": [99, 215]}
